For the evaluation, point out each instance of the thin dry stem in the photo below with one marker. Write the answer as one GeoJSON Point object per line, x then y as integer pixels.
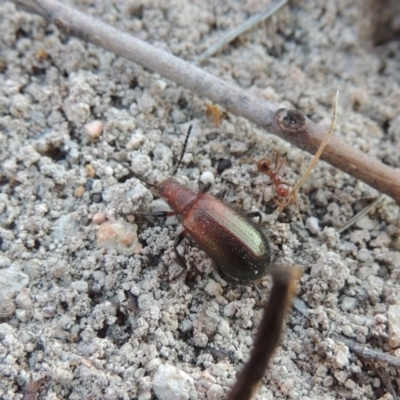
{"type": "Point", "coordinates": [316, 157]}
{"type": "Point", "coordinates": [361, 214]}
{"type": "Point", "coordinates": [307, 135]}
{"type": "Point", "coordinates": [239, 30]}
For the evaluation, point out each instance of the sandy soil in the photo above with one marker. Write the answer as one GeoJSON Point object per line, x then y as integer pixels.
{"type": "Point", "coordinates": [89, 304]}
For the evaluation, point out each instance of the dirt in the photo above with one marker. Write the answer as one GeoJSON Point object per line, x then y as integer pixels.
{"type": "Point", "coordinates": [86, 296]}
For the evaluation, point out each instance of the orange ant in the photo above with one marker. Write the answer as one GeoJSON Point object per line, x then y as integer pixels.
{"type": "Point", "coordinates": [284, 192]}
{"type": "Point", "coordinates": [282, 189]}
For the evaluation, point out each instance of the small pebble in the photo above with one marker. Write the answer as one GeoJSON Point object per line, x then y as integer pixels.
{"type": "Point", "coordinates": [342, 359]}
{"type": "Point", "coordinates": [78, 192]}
{"type": "Point", "coordinates": [394, 325]}
{"type": "Point", "coordinates": [99, 218]}
{"type": "Point", "coordinates": [213, 288]}
{"type": "Point", "coordinates": [207, 177]}
{"type": "Point", "coordinates": [12, 282]}
{"type": "Point", "coordinates": [171, 383]}
{"type": "Point", "coordinates": [348, 303]}
{"type": "Point", "coordinates": [119, 236]}
{"type": "Point", "coordinates": [4, 261]}
{"type": "Point", "coordinates": [216, 392]}
{"type": "Point", "coordinates": [312, 224]}
{"type": "Point", "coordinates": [94, 128]}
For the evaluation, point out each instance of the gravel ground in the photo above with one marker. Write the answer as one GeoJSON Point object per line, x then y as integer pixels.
{"type": "Point", "coordinates": [86, 298]}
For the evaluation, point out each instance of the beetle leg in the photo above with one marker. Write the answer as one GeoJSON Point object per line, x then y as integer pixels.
{"type": "Point", "coordinates": [181, 260]}
{"type": "Point", "coordinates": [161, 214]}
{"type": "Point", "coordinates": [221, 194]}
{"type": "Point", "coordinates": [205, 188]}
{"type": "Point", "coordinates": [255, 214]}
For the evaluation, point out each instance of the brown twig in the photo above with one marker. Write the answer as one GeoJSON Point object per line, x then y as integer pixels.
{"type": "Point", "coordinates": [269, 333]}
{"type": "Point", "coordinates": [290, 125]}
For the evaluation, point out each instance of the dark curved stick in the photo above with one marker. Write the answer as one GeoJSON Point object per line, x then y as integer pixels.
{"type": "Point", "coordinates": [290, 125]}
{"type": "Point", "coordinates": [269, 333]}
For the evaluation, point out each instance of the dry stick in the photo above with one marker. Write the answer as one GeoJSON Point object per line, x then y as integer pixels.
{"type": "Point", "coordinates": [239, 30]}
{"type": "Point", "coordinates": [368, 353]}
{"type": "Point", "coordinates": [291, 125]}
{"type": "Point", "coordinates": [269, 333]}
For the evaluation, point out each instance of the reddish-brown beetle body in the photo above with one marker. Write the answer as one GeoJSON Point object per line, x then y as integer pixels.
{"type": "Point", "coordinates": [238, 246]}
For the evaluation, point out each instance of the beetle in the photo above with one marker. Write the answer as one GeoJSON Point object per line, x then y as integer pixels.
{"type": "Point", "coordinates": [238, 246]}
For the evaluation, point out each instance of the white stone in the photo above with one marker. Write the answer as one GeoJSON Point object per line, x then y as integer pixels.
{"type": "Point", "coordinates": [394, 325]}
{"type": "Point", "coordinates": [171, 383]}
{"type": "Point", "coordinates": [213, 288]}
{"type": "Point", "coordinates": [23, 300]}
{"type": "Point", "coordinates": [348, 303]}
{"type": "Point", "coordinates": [312, 224]}
{"type": "Point", "coordinates": [207, 177]}
{"type": "Point", "coordinates": [145, 301]}
{"type": "Point", "coordinates": [12, 281]}
{"type": "Point", "coordinates": [216, 392]}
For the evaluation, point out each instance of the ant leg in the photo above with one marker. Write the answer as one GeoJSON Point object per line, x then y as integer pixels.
{"type": "Point", "coordinates": [279, 162]}
{"type": "Point", "coordinates": [255, 214]}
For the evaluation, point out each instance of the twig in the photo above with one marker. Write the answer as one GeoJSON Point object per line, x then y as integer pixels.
{"type": "Point", "coordinates": [269, 333]}
{"type": "Point", "coordinates": [239, 30]}
{"type": "Point", "coordinates": [367, 353]}
{"type": "Point", "coordinates": [359, 215]}
{"type": "Point", "coordinates": [291, 125]}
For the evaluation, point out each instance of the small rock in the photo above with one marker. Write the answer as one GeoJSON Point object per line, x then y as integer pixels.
{"type": "Point", "coordinates": [215, 392]}
{"type": "Point", "coordinates": [21, 314]}
{"type": "Point", "coordinates": [207, 177]}
{"type": "Point", "coordinates": [348, 303]}
{"type": "Point", "coordinates": [312, 224]}
{"type": "Point", "coordinates": [342, 356]}
{"type": "Point", "coordinates": [23, 300]}
{"type": "Point", "coordinates": [394, 325]}
{"type": "Point", "coordinates": [94, 128]}
{"type": "Point", "coordinates": [136, 140]}
{"type": "Point", "coordinates": [6, 329]}
{"type": "Point", "coordinates": [170, 383]}
{"type": "Point", "coordinates": [12, 281]}
{"type": "Point", "coordinates": [119, 236]}
{"type": "Point", "coordinates": [213, 288]}
{"type": "Point", "coordinates": [78, 192]}
{"type": "Point", "coordinates": [65, 227]}
{"type": "Point", "coordinates": [145, 301]}
{"type": "Point", "coordinates": [238, 148]}
{"type": "Point", "coordinates": [99, 218]}
{"type": "Point", "coordinates": [4, 261]}
{"type": "Point", "coordinates": [224, 328]}
{"type": "Point", "coordinates": [365, 223]}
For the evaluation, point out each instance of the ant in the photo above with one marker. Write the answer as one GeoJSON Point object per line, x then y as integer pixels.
{"type": "Point", "coordinates": [282, 189]}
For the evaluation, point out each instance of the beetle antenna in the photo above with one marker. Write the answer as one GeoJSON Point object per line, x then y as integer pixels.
{"type": "Point", "coordinates": [132, 173]}
{"type": "Point", "coordinates": [178, 164]}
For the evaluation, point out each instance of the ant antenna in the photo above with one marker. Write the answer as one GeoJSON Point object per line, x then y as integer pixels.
{"type": "Point", "coordinates": [178, 164]}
